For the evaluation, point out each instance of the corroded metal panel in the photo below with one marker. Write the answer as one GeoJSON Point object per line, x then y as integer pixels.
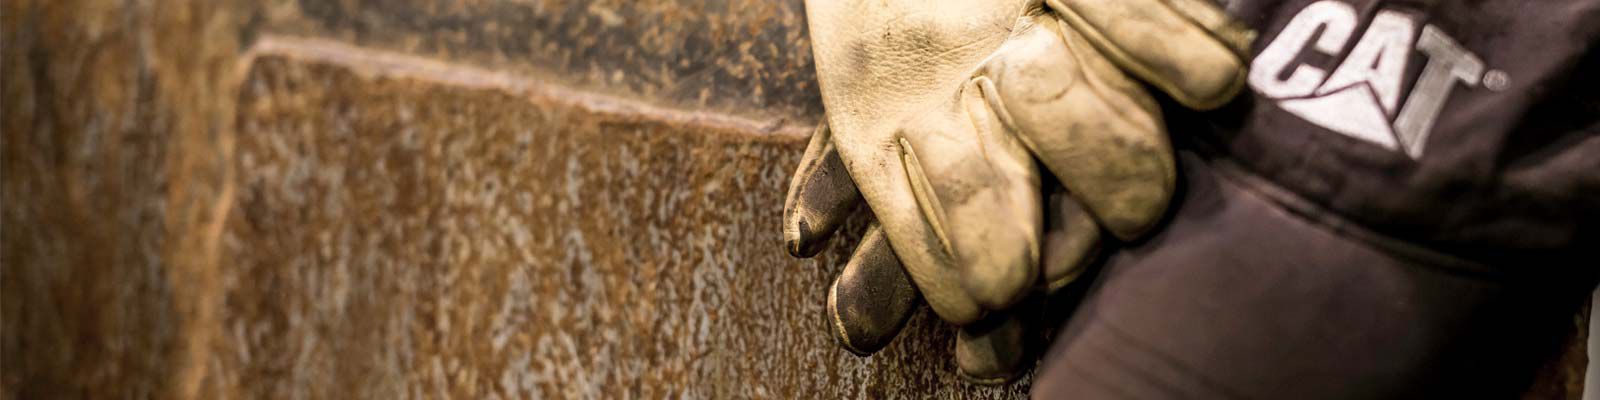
{"type": "Point", "coordinates": [747, 57]}
{"type": "Point", "coordinates": [411, 227]}
{"type": "Point", "coordinates": [365, 198]}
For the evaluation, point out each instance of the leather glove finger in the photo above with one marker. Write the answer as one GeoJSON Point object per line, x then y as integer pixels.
{"type": "Point", "coordinates": [957, 198]}
{"type": "Point", "coordinates": [978, 191]}
{"type": "Point", "coordinates": [992, 351]}
{"type": "Point", "coordinates": [1071, 239]}
{"type": "Point", "coordinates": [996, 349]}
{"type": "Point", "coordinates": [872, 299]}
{"type": "Point", "coordinates": [870, 302]}
{"type": "Point", "coordinates": [1189, 49]}
{"type": "Point", "coordinates": [1096, 129]}
{"type": "Point", "coordinates": [821, 195]}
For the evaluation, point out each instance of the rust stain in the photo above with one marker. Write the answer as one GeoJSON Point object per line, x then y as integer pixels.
{"type": "Point", "coordinates": [375, 63]}
{"type": "Point", "coordinates": [399, 234]}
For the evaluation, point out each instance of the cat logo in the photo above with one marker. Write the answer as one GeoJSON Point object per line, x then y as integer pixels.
{"type": "Point", "coordinates": [1360, 97]}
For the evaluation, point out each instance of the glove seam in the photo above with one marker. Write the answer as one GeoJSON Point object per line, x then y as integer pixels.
{"type": "Point", "coordinates": [927, 198]}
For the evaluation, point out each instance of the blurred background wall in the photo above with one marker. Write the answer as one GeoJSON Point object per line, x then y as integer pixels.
{"type": "Point", "coordinates": [377, 198]}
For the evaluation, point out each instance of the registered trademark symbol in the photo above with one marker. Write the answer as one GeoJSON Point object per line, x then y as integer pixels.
{"type": "Point", "coordinates": [1496, 80]}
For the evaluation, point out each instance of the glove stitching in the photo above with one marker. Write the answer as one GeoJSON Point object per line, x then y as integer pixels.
{"type": "Point", "coordinates": [927, 201]}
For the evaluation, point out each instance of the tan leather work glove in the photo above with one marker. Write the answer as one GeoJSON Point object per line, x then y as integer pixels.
{"type": "Point", "coordinates": [938, 111]}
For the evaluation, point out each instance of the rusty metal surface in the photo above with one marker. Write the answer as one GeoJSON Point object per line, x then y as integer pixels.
{"type": "Point", "coordinates": [747, 57]}
{"type": "Point", "coordinates": [115, 177]}
{"type": "Point", "coordinates": [411, 219]}
{"type": "Point", "coordinates": [363, 198]}
{"type": "Point", "coordinates": [417, 230]}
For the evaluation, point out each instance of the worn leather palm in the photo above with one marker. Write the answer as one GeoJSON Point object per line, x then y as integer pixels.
{"type": "Point", "coordinates": [936, 115]}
